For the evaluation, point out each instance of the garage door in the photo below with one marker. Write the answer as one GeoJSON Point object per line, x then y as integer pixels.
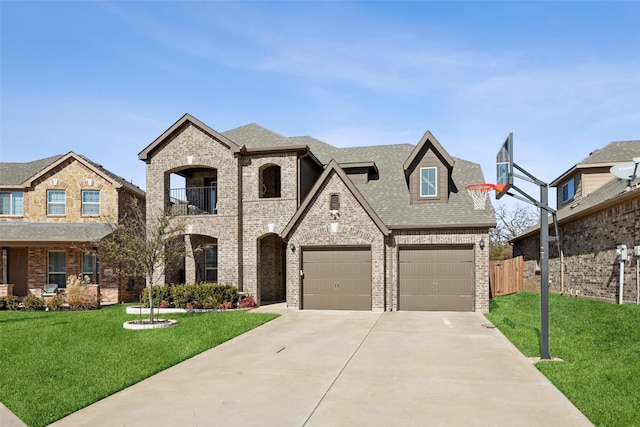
{"type": "Point", "coordinates": [436, 278]}
{"type": "Point", "coordinates": [336, 279]}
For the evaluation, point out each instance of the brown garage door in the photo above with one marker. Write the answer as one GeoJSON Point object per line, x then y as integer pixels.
{"type": "Point", "coordinates": [436, 278]}
{"type": "Point", "coordinates": [336, 279]}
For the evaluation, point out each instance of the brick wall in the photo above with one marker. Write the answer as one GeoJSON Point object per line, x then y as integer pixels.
{"type": "Point", "coordinates": [589, 245]}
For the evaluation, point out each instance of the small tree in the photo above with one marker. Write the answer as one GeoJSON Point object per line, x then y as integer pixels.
{"type": "Point", "coordinates": [145, 248]}
{"type": "Point", "coordinates": [510, 223]}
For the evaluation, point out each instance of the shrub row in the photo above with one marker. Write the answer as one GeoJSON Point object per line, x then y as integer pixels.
{"type": "Point", "coordinates": [74, 301]}
{"type": "Point", "coordinates": [199, 295]}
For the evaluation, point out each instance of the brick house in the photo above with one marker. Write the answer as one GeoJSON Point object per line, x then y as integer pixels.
{"type": "Point", "coordinates": [295, 219]}
{"type": "Point", "coordinates": [52, 211]}
{"type": "Point", "coordinates": [596, 212]}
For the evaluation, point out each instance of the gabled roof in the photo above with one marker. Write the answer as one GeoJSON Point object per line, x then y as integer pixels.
{"type": "Point", "coordinates": [22, 175]}
{"type": "Point", "coordinates": [183, 121]}
{"type": "Point", "coordinates": [332, 168]}
{"type": "Point", "coordinates": [427, 140]}
{"type": "Point", "coordinates": [612, 193]}
{"type": "Point", "coordinates": [611, 154]}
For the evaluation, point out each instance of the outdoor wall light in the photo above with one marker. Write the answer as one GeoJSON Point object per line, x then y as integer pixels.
{"type": "Point", "coordinates": [292, 247]}
{"type": "Point", "coordinates": [482, 244]}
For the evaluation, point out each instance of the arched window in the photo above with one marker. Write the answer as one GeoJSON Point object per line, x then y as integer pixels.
{"type": "Point", "coordinates": [270, 182]}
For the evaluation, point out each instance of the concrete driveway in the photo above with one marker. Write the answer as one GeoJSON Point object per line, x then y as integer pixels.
{"type": "Point", "coordinates": [331, 368]}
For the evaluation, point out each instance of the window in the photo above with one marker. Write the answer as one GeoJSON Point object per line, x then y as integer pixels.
{"type": "Point", "coordinates": [11, 203]}
{"type": "Point", "coordinates": [211, 263]}
{"type": "Point", "coordinates": [58, 268]}
{"type": "Point", "coordinates": [90, 202]}
{"type": "Point", "coordinates": [428, 182]}
{"type": "Point", "coordinates": [270, 182]}
{"type": "Point", "coordinates": [56, 202]}
{"type": "Point", "coordinates": [568, 190]}
{"type": "Point", "coordinates": [90, 266]}
{"type": "Point", "coordinates": [334, 202]}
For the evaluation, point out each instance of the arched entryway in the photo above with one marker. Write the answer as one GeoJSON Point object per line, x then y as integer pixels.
{"type": "Point", "coordinates": [271, 272]}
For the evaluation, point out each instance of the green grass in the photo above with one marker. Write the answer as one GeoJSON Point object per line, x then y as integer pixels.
{"type": "Point", "coordinates": [55, 363]}
{"type": "Point", "coordinates": [599, 343]}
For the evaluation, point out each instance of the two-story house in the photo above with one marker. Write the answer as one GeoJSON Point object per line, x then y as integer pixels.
{"type": "Point", "coordinates": [596, 213]}
{"type": "Point", "coordinates": [295, 219]}
{"type": "Point", "coordinates": [52, 213]}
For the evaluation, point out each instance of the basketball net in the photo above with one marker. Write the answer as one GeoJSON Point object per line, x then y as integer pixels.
{"type": "Point", "coordinates": [480, 193]}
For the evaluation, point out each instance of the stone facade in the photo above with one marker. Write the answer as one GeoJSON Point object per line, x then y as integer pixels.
{"type": "Point", "coordinates": [72, 175]}
{"type": "Point", "coordinates": [589, 243]}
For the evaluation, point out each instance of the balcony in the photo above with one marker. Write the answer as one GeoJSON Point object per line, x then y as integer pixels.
{"type": "Point", "coordinates": [194, 200]}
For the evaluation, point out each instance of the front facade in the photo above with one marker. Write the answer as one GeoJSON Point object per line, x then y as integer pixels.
{"type": "Point", "coordinates": [596, 213]}
{"type": "Point", "coordinates": [52, 213]}
{"type": "Point", "coordinates": [295, 219]}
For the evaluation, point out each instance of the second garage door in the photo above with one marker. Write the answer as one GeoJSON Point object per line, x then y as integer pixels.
{"type": "Point", "coordinates": [436, 278]}
{"type": "Point", "coordinates": [336, 279]}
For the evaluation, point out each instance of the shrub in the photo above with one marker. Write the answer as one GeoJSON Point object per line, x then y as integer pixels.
{"type": "Point", "coordinates": [164, 304]}
{"type": "Point", "coordinates": [159, 292]}
{"type": "Point", "coordinates": [10, 303]}
{"type": "Point", "coordinates": [226, 305]}
{"type": "Point", "coordinates": [210, 302]}
{"type": "Point", "coordinates": [184, 294]}
{"type": "Point", "coordinates": [79, 296]}
{"type": "Point", "coordinates": [247, 302]}
{"type": "Point", "coordinates": [194, 305]}
{"type": "Point", "coordinates": [55, 303]}
{"type": "Point", "coordinates": [33, 303]}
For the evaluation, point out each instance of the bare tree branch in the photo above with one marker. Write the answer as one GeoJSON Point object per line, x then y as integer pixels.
{"type": "Point", "coordinates": [511, 222]}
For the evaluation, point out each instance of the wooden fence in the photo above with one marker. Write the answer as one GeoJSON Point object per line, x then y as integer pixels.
{"type": "Point", "coordinates": [506, 276]}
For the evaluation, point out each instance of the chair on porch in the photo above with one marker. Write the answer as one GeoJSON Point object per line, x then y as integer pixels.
{"type": "Point", "coordinates": [49, 290]}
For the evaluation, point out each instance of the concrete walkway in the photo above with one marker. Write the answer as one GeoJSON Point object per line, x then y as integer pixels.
{"type": "Point", "coordinates": [331, 368]}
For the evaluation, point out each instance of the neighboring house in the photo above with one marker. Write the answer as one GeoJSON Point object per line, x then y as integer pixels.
{"type": "Point", "coordinates": [52, 213]}
{"type": "Point", "coordinates": [295, 219]}
{"type": "Point", "coordinates": [596, 212]}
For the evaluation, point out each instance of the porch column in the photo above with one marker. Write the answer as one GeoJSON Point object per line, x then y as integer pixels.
{"type": "Point", "coordinates": [189, 261]}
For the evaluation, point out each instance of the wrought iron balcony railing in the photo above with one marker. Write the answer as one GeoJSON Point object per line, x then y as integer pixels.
{"type": "Point", "coordinates": [194, 200]}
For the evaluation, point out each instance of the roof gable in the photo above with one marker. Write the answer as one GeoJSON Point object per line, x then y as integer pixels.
{"type": "Point", "coordinates": [331, 168]}
{"type": "Point", "coordinates": [427, 141]}
{"type": "Point", "coordinates": [183, 121]}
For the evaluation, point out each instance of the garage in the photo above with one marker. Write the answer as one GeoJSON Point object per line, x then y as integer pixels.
{"type": "Point", "coordinates": [336, 278]}
{"type": "Point", "coordinates": [436, 278]}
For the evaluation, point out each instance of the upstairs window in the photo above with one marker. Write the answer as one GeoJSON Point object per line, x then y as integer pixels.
{"type": "Point", "coordinates": [90, 202]}
{"type": "Point", "coordinates": [56, 202]}
{"type": "Point", "coordinates": [568, 190]}
{"type": "Point", "coordinates": [428, 182]}
{"type": "Point", "coordinates": [270, 182]}
{"type": "Point", "coordinates": [11, 203]}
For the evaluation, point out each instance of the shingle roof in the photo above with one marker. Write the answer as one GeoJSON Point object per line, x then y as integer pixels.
{"type": "Point", "coordinates": [619, 151]}
{"type": "Point", "coordinates": [603, 196]}
{"type": "Point", "coordinates": [17, 174]}
{"type": "Point", "coordinates": [53, 232]}
{"type": "Point", "coordinates": [388, 195]}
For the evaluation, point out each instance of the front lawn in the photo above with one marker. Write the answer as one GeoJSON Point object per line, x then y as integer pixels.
{"type": "Point", "coordinates": [55, 363]}
{"type": "Point", "coordinates": [599, 343]}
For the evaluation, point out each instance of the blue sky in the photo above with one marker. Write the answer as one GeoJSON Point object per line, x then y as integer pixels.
{"type": "Point", "coordinates": [104, 79]}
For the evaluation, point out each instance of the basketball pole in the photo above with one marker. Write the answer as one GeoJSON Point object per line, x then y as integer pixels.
{"type": "Point", "coordinates": [545, 210]}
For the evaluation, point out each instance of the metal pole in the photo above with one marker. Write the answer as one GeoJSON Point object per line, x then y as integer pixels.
{"type": "Point", "coordinates": [621, 280]}
{"type": "Point", "coordinates": [544, 273]}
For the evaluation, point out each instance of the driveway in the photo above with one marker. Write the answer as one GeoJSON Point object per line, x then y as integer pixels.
{"type": "Point", "coordinates": [335, 368]}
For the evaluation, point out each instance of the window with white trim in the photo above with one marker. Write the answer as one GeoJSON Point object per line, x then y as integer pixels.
{"type": "Point", "coordinates": [428, 182]}
{"type": "Point", "coordinates": [56, 202]}
{"type": "Point", "coordinates": [90, 202]}
{"type": "Point", "coordinates": [58, 268]}
{"type": "Point", "coordinates": [11, 203]}
{"type": "Point", "coordinates": [568, 190]}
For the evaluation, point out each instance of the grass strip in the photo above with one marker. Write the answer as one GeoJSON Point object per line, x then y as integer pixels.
{"type": "Point", "coordinates": [598, 342]}
{"type": "Point", "coordinates": [55, 363]}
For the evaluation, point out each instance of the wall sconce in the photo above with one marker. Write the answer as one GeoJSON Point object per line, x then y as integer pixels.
{"type": "Point", "coordinates": [292, 247]}
{"type": "Point", "coordinates": [482, 244]}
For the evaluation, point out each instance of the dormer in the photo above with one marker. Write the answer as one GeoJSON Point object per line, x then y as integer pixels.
{"type": "Point", "coordinates": [360, 172]}
{"type": "Point", "coordinates": [428, 171]}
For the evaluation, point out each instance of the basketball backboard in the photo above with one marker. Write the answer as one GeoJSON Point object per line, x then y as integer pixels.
{"type": "Point", "coordinates": [504, 167]}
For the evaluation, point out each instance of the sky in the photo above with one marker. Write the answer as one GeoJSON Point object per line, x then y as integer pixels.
{"type": "Point", "coordinates": [104, 79]}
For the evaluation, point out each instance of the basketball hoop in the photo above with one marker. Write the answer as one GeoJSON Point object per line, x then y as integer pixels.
{"type": "Point", "coordinates": [480, 193]}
